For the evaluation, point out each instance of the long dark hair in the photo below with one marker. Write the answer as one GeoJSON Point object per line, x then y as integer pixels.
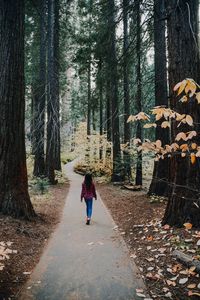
{"type": "Point", "coordinates": [88, 180]}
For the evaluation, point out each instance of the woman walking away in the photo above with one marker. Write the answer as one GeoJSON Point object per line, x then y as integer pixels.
{"type": "Point", "coordinates": [88, 193]}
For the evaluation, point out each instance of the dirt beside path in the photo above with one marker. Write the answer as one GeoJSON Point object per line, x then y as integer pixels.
{"type": "Point", "coordinates": [151, 245]}
{"type": "Point", "coordinates": [22, 242]}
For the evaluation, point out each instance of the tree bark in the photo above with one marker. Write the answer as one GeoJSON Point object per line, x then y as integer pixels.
{"type": "Point", "coordinates": [112, 63]}
{"type": "Point", "coordinates": [100, 84]}
{"type": "Point", "coordinates": [39, 162]}
{"type": "Point", "coordinates": [14, 197]}
{"type": "Point", "coordinates": [159, 183]}
{"type": "Point", "coordinates": [53, 123]}
{"type": "Point", "coordinates": [184, 203]}
{"type": "Point", "coordinates": [138, 179]}
{"type": "Point", "coordinates": [127, 161]}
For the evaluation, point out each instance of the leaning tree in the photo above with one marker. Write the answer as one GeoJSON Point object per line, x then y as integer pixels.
{"type": "Point", "coordinates": [14, 197]}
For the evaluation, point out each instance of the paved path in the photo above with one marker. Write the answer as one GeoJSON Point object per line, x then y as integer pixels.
{"type": "Point", "coordinates": [83, 262]}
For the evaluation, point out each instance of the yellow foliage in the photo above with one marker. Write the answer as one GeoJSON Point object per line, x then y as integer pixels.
{"type": "Point", "coordinates": [192, 158]}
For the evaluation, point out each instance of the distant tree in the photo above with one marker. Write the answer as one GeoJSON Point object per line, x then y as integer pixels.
{"type": "Point", "coordinates": [126, 74]}
{"type": "Point", "coordinates": [113, 79]}
{"type": "Point", "coordinates": [40, 99]}
{"type": "Point", "coordinates": [138, 102]}
{"type": "Point", "coordinates": [14, 197]}
{"type": "Point", "coordinates": [159, 184]}
{"type": "Point", "coordinates": [53, 107]}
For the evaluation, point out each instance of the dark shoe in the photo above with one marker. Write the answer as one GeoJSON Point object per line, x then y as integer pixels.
{"type": "Point", "coordinates": [88, 222]}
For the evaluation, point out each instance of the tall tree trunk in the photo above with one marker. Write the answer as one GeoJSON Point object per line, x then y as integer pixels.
{"type": "Point", "coordinates": [138, 179]}
{"type": "Point", "coordinates": [108, 110]}
{"type": "Point", "coordinates": [39, 162]}
{"type": "Point", "coordinates": [112, 63]}
{"type": "Point", "coordinates": [57, 85]}
{"type": "Point", "coordinates": [184, 203]}
{"type": "Point", "coordinates": [53, 126]}
{"type": "Point", "coordinates": [159, 183]}
{"type": "Point", "coordinates": [14, 197]}
{"type": "Point", "coordinates": [127, 161]}
{"type": "Point", "coordinates": [89, 99]}
{"type": "Point", "coordinates": [100, 84]}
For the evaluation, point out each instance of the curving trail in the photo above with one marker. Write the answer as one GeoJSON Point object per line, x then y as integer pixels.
{"type": "Point", "coordinates": [84, 262]}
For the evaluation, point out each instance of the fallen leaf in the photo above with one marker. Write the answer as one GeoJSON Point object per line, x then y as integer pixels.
{"type": "Point", "coordinates": [187, 225]}
{"type": "Point", "coordinates": [191, 286]}
{"type": "Point", "coordinates": [170, 283]}
{"type": "Point", "coordinates": [190, 293]}
{"type": "Point", "coordinates": [183, 280]}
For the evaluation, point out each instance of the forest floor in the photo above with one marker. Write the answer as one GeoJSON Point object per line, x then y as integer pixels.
{"type": "Point", "coordinates": [151, 244]}
{"type": "Point", "coordinates": [22, 242]}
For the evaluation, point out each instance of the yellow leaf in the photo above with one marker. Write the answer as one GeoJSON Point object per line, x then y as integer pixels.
{"type": "Point", "coordinates": [198, 97]}
{"type": "Point", "coordinates": [193, 158]}
{"type": "Point", "coordinates": [165, 124]}
{"type": "Point", "coordinates": [191, 286]}
{"type": "Point", "coordinates": [171, 283]}
{"type": "Point", "coordinates": [181, 135]}
{"type": "Point", "coordinates": [194, 146]}
{"type": "Point", "coordinates": [158, 144]}
{"type": "Point", "coordinates": [187, 225]}
{"type": "Point", "coordinates": [191, 134]}
{"type": "Point", "coordinates": [159, 116]}
{"type": "Point", "coordinates": [190, 87]}
{"type": "Point", "coordinates": [179, 117]}
{"type": "Point", "coordinates": [174, 146]}
{"type": "Point", "coordinates": [184, 99]}
{"type": "Point", "coordinates": [130, 118]}
{"type": "Point", "coordinates": [189, 120]}
{"type": "Point", "coordinates": [180, 86]}
{"type": "Point", "coordinates": [150, 125]}
{"type": "Point", "coordinates": [184, 147]}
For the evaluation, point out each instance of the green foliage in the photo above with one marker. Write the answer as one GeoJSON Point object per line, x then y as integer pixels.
{"type": "Point", "coordinates": [40, 185]}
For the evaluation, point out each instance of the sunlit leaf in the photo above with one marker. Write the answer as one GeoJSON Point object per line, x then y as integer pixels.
{"type": "Point", "coordinates": [181, 135]}
{"type": "Point", "coordinates": [189, 120]}
{"type": "Point", "coordinates": [165, 124]}
{"type": "Point", "coordinates": [190, 87]}
{"type": "Point", "coordinates": [198, 97]}
{"type": "Point", "coordinates": [149, 125]}
{"type": "Point", "coordinates": [187, 225]}
{"type": "Point", "coordinates": [184, 99]}
{"type": "Point", "coordinates": [193, 158]}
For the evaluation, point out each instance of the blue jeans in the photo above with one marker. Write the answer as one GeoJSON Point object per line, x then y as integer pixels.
{"type": "Point", "coordinates": [89, 203]}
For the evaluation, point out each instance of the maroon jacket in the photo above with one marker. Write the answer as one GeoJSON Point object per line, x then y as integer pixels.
{"type": "Point", "coordinates": [88, 194]}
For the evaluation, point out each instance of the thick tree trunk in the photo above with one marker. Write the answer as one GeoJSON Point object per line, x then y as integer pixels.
{"type": "Point", "coordinates": [184, 203]}
{"type": "Point", "coordinates": [53, 125]}
{"type": "Point", "coordinates": [39, 162]}
{"type": "Point", "coordinates": [112, 62]}
{"type": "Point", "coordinates": [159, 184]}
{"type": "Point", "coordinates": [138, 179]}
{"type": "Point", "coordinates": [14, 197]}
{"type": "Point", "coordinates": [127, 161]}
